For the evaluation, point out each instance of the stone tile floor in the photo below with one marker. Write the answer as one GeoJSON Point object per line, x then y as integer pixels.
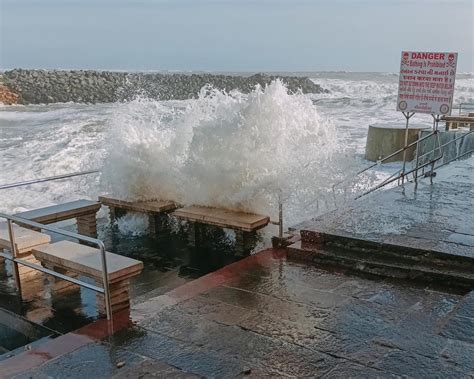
{"type": "Point", "coordinates": [265, 316]}
{"type": "Point", "coordinates": [436, 217]}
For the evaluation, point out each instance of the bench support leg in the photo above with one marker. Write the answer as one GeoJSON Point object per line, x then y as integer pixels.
{"type": "Point", "coordinates": [119, 297]}
{"type": "Point", "coordinates": [244, 242]}
{"type": "Point", "coordinates": [157, 225]}
{"type": "Point", "coordinates": [87, 225]}
{"type": "Point", "coordinates": [195, 234]}
{"type": "Point", "coordinates": [30, 280]}
{"type": "Point", "coordinates": [59, 286]}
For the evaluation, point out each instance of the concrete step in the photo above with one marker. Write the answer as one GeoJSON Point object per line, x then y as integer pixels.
{"type": "Point", "coordinates": [408, 248]}
{"type": "Point", "coordinates": [394, 267]}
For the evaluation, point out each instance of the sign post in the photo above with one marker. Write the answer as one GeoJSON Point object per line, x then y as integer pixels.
{"type": "Point", "coordinates": [426, 85]}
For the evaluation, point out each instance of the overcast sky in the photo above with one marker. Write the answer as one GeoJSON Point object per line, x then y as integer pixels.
{"type": "Point", "coordinates": [232, 35]}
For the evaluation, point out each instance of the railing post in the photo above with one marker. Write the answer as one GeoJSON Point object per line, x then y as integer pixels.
{"type": "Point", "coordinates": [105, 280]}
{"type": "Point", "coordinates": [280, 215]}
{"type": "Point", "coordinates": [407, 115]}
{"type": "Point", "coordinates": [16, 273]}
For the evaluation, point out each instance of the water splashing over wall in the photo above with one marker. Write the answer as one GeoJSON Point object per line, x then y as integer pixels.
{"type": "Point", "coordinates": [228, 150]}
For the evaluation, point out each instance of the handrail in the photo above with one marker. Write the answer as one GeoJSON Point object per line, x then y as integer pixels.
{"type": "Point", "coordinates": [105, 277]}
{"type": "Point", "coordinates": [47, 179]}
{"type": "Point", "coordinates": [470, 106]}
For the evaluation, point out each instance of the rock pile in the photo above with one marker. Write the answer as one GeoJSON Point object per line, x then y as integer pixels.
{"type": "Point", "coordinates": [8, 97]}
{"type": "Point", "coordinates": [42, 86]}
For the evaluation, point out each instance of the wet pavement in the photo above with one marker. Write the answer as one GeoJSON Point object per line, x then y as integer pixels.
{"type": "Point", "coordinates": [437, 218]}
{"type": "Point", "coordinates": [266, 316]}
{"type": "Point", "coordinates": [169, 263]}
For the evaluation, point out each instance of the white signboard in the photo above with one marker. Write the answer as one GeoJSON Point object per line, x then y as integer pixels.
{"type": "Point", "coordinates": [426, 82]}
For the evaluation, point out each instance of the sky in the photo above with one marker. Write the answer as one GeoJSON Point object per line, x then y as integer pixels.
{"type": "Point", "coordinates": [231, 35]}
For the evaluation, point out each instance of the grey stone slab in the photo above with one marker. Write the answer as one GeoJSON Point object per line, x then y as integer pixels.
{"type": "Point", "coordinates": [152, 369]}
{"type": "Point", "coordinates": [413, 365]}
{"type": "Point", "coordinates": [351, 370]}
{"type": "Point", "coordinates": [459, 353]}
{"type": "Point", "coordinates": [459, 328]}
{"type": "Point", "coordinates": [466, 306]}
{"type": "Point", "coordinates": [92, 361]}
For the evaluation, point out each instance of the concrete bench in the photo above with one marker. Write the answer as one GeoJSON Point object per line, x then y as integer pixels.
{"type": "Point", "coordinates": [245, 224]}
{"type": "Point", "coordinates": [74, 259]}
{"type": "Point", "coordinates": [155, 209]}
{"type": "Point", "coordinates": [84, 211]}
{"type": "Point", "coordinates": [25, 241]}
{"type": "Point", "coordinates": [453, 122]}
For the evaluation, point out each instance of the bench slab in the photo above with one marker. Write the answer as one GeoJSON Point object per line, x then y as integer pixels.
{"type": "Point", "coordinates": [224, 218]}
{"type": "Point", "coordinates": [87, 261]}
{"type": "Point", "coordinates": [25, 239]}
{"type": "Point", "coordinates": [145, 206]}
{"type": "Point", "coordinates": [61, 212]}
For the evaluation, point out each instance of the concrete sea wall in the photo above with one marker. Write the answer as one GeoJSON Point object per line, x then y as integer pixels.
{"type": "Point", "coordinates": [52, 86]}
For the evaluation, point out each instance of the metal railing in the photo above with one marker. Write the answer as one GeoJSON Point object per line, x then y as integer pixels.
{"type": "Point", "coordinates": [419, 162]}
{"type": "Point", "coordinates": [466, 106]}
{"type": "Point", "coordinates": [47, 179]}
{"type": "Point", "coordinates": [14, 257]}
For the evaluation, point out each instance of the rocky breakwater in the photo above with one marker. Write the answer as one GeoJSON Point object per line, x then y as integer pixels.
{"type": "Point", "coordinates": [7, 96]}
{"type": "Point", "coordinates": [43, 86]}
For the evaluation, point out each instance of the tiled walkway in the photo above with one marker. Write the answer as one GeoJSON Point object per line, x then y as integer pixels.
{"type": "Point", "coordinates": [266, 316]}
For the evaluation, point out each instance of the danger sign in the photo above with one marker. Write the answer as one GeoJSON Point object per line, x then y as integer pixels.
{"type": "Point", "coordinates": [426, 82]}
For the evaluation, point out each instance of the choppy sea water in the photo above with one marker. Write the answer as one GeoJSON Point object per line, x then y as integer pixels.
{"type": "Point", "coordinates": [230, 150]}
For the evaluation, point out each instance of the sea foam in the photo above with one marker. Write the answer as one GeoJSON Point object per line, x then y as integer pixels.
{"type": "Point", "coordinates": [230, 150]}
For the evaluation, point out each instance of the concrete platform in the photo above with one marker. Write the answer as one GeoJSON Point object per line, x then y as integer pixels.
{"type": "Point", "coordinates": [266, 316]}
{"type": "Point", "coordinates": [430, 226]}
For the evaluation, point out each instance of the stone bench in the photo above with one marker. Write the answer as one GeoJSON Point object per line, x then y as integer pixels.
{"type": "Point", "coordinates": [453, 122]}
{"type": "Point", "coordinates": [84, 211]}
{"type": "Point", "coordinates": [245, 224]}
{"type": "Point", "coordinates": [155, 209]}
{"type": "Point", "coordinates": [25, 241]}
{"type": "Point", "coordinates": [73, 259]}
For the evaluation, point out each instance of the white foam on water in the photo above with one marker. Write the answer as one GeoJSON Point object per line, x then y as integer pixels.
{"type": "Point", "coordinates": [133, 224]}
{"type": "Point", "coordinates": [227, 150]}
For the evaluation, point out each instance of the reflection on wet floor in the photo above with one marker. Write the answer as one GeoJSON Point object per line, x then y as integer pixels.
{"type": "Point", "coordinates": [169, 262]}
{"type": "Point", "coordinates": [267, 316]}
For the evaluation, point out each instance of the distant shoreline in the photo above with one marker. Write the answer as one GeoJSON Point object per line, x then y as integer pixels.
{"type": "Point", "coordinates": [87, 86]}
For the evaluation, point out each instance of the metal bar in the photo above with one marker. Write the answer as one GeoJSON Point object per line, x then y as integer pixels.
{"type": "Point", "coordinates": [53, 273]}
{"type": "Point", "coordinates": [77, 236]}
{"type": "Point", "coordinates": [458, 157]}
{"type": "Point", "coordinates": [393, 154]}
{"type": "Point", "coordinates": [16, 273]}
{"type": "Point", "coordinates": [407, 116]}
{"type": "Point", "coordinates": [280, 216]}
{"type": "Point", "coordinates": [105, 280]}
{"type": "Point", "coordinates": [380, 185]}
{"type": "Point", "coordinates": [447, 143]}
{"type": "Point", "coordinates": [50, 178]}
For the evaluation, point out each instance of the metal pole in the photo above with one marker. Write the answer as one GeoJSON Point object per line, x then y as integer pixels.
{"type": "Point", "coordinates": [16, 273]}
{"type": "Point", "coordinates": [407, 117]}
{"type": "Point", "coordinates": [105, 280]}
{"type": "Point", "coordinates": [50, 178]}
{"type": "Point", "coordinates": [280, 216]}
